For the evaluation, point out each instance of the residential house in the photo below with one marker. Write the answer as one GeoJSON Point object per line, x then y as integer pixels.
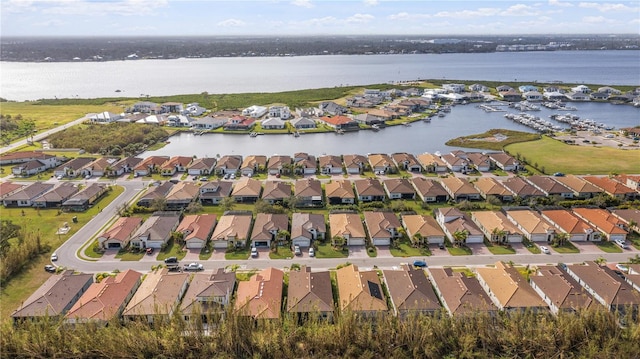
{"type": "Point", "coordinates": [255, 111]}
{"type": "Point", "coordinates": [491, 187]}
{"type": "Point", "coordinates": [599, 96]}
{"type": "Point", "coordinates": [532, 96]}
{"type": "Point", "coordinates": [630, 181]}
{"type": "Point", "coordinates": [478, 88]}
{"type": "Point", "coordinates": [369, 119]}
{"type": "Point", "coordinates": [310, 292]}
{"type": "Point", "coordinates": [181, 195]}
{"type": "Point", "coordinates": [304, 164]}
{"type": "Point", "coordinates": [360, 291]}
{"type": "Point", "coordinates": [157, 297]}
{"type": "Point", "coordinates": [213, 192]}
{"type": "Point", "coordinates": [175, 164]}
{"type": "Point", "coordinates": [422, 229]}
{"type": "Point", "coordinates": [209, 123]}
{"type": "Point", "coordinates": [609, 90]}
{"type": "Point", "coordinates": [432, 163]}
{"type": "Point", "coordinates": [332, 108]}
{"type": "Point", "coordinates": [580, 187]}
{"type": "Point", "coordinates": [232, 230]}
{"type": "Point", "coordinates": [306, 228]}
{"type": "Point", "coordinates": [604, 222]}
{"type": "Point", "coordinates": [340, 192]}
{"type": "Point", "coordinates": [612, 187]}
{"type": "Point", "coordinates": [120, 233]}
{"type": "Point", "coordinates": [273, 123]}
{"type": "Point", "coordinates": [534, 227]}
{"type": "Point", "coordinates": [282, 112]}
{"type": "Point", "coordinates": [267, 228]}
{"type": "Point", "coordinates": [125, 165]}
{"type": "Point", "coordinates": [430, 190]}
{"type": "Point", "coordinates": [197, 229]}
{"type": "Point", "coordinates": [279, 165]}
{"type": "Point", "coordinates": [25, 196]}
{"type": "Point", "coordinates": [55, 297]}
{"type": "Point", "coordinates": [459, 294]}
{"type": "Point", "coordinates": [303, 123]}
{"type": "Point", "coordinates": [239, 123]}
{"type": "Point", "coordinates": [149, 165]}
{"type": "Point", "coordinates": [202, 166]}
{"type": "Point", "coordinates": [247, 190]}
{"type": "Point", "coordinates": [146, 107]}
{"type": "Point", "coordinates": [72, 168]}
{"type": "Point", "coordinates": [381, 163]}
{"type": "Point", "coordinates": [308, 193]}
{"type": "Point", "coordinates": [521, 188]}
{"type": "Point", "coordinates": [330, 165]}
{"type": "Point", "coordinates": [261, 296]}
{"type": "Point", "coordinates": [85, 198]}
{"type": "Point", "coordinates": [453, 221]}
{"type": "Point", "coordinates": [276, 192]}
{"type": "Point", "coordinates": [355, 164]}
{"type": "Point", "coordinates": [382, 114]}
{"type": "Point", "coordinates": [156, 230]}
{"type": "Point", "coordinates": [105, 117]}
{"type": "Point", "coordinates": [559, 290]}
{"type": "Point", "coordinates": [208, 294]}
{"type": "Point", "coordinates": [479, 161]}
{"type": "Point", "coordinates": [27, 156]}
{"type": "Point", "coordinates": [497, 227]}
{"type": "Point", "coordinates": [581, 89]}
{"type": "Point", "coordinates": [628, 217]}
{"type": "Point", "coordinates": [577, 96]}
{"type": "Point", "coordinates": [382, 227]}
{"type": "Point", "coordinates": [455, 163]}
{"type": "Point", "coordinates": [339, 122]}
{"type": "Point", "coordinates": [158, 120]}
{"type": "Point", "coordinates": [194, 109]}
{"type": "Point", "coordinates": [228, 164]}
{"type": "Point", "coordinates": [155, 193]}
{"type": "Point", "coordinates": [410, 292]}
{"type": "Point", "coordinates": [460, 189]}
{"type": "Point", "coordinates": [56, 196]}
{"type": "Point", "coordinates": [633, 276]}
{"type": "Point", "coordinates": [505, 162]}
{"type": "Point", "coordinates": [407, 162]}
{"type": "Point", "coordinates": [399, 188]}
{"type": "Point", "coordinates": [28, 168]}
{"type": "Point", "coordinates": [550, 187]}
{"type": "Point", "coordinates": [348, 226]}
{"type": "Point", "coordinates": [508, 289]}
{"type": "Point", "coordinates": [105, 300]}
{"type": "Point", "coordinates": [179, 121]}
{"type": "Point", "coordinates": [567, 222]}
{"type": "Point", "coordinates": [456, 88]}
{"type": "Point", "coordinates": [9, 188]}
{"type": "Point", "coordinates": [369, 190]}
{"type": "Point", "coordinates": [99, 167]}
{"type": "Point", "coordinates": [511, 96]}
{"type": "Point", "coordinates": [173, 107]}
{"type": "Point", "coordinates": [253, 164]}
{"type": "Point", "coordinates": [606, 287]}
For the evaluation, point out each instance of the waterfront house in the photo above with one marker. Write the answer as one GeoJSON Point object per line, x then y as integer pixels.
{"type": "Point", "coordinates": [306, 228]}
{"type": "Point", "coordinates": [301, 123]}
{"type": "Point", "coordinates": [459, 294]}
{"type": "Point", "coordinates": [56, 196]}
{"type": "Point", "coordinates": [253, 164]}
{"type": "Point", "coordinates": [330, 165]}
{"type": "Point", "coordinates": [381, 163]}
{"type": "Point", "coordinates": [193, 109]}
{"type": "Point", "coordinates": [559, 290]}
{"type": "Point", "coordinates": [282, 112]}
{"type": "Point", "coordinates": [157, 297]}
{"type": "Point", "coordinates": [577, 96]}
{"type": "Point", "coordinates": [360, 291]}
{"type": "Point", "coordinates": [85, 198]}
{"type": "Point", "coordinates": [73, 167]}
{"type": "Point", "coordinates": [279, 165]}
{"type": "Point", "coordinates": [181, 195]}
{"type": "Point", "coordinates": [247, 190]}
{"type": "Point", "coordinates": [208, 294]}
{"type": "Point", "coordinates": [399, 188]}
{"type": "Point", "coordinates": [261, 296]}
{"type": "Point", "coordinates": [496, 227]}
{"type": "Point", "coordinates": [332, 108]}
{"type": "Point", "coordinates": [456, 88]}
{"type": "Point", "coordinates": [382, 114]}
{"type": "Point", "coordinates": [532, 96]}
{"type": "Point", "coordinates": [228, 164]}
{"type": "Point", "coordinates": [179, 121]}
{"type": "Point", "coordinates": [432, 163]}
{"type": "Point", "coordinates": [156, 230]}
{"type": "Point", "coordinates": [239, 123]}
{"type": "Point", "coordinates": [609, 90]}
{"type": "Point", "coordinates": [534, 227]}
{"type": "Point", "coordinates": [105, 117]}
{"type": "Point", "coordinates": [491, 187]}
{"type": "Point", "coordinates": [231, 230]}
{"type": "Point", "coordinates": [175, 164]}
{"type": "Point", "coordinates": [369, 119]}
{"type": "Point", "coordinates": [527, 88]}
{"type": "Point", "coordinates": [304, 163]}
{"type": "Point", "coordinates": [581, 89]}
{"type": "Point", "coordinates": [213, 192]}
{"type": "Point", "coordinates": [460, 189]}
{"type": "Point", "coordinates": [599, 96]}
{"type": "Point", "coordinates": [521, 188]}
{"type": "Point", "coordinates": [407, 162]}
{"type": "Point", "coordinates": [580, 187]}
{"type": "Point", "coordinates": [554, 95]}
{"type": "Point", "coordinates": [504, 161]}
{"type": "Point", "coordinates": [308, 192]}
{"type": "Point", "coordinates": [550, 187]}
{"type": "Point", "coordinates": [348, 226]}
{"type": "Point", "coordinates": [105, 300]}
{"type": "Point", "coordinates": [369, 190]}
{"type": "Point", "coordinates": [55, 297]}
{"type": "Point", "coordinates": [603, 221]}
{"type": "Point", "coordinates": [209, 123]}
{"type": "Point", "coordinates": [355, 164]}
{"type": "Point", "coordinates": [273, 123]}
{"type": "Point", "coordinates": [197, 229]}
{"type": "Point", "coordinates": [202, 166]}
{"type": "Point", "coordinates": [338, 122]}
{"type": "Point", "coordinates": [172, 107]}
{"type": "Point", "coordinates": [125, 165]}
{"type": "Point", "coordinates": [455, 163]}
{"type": "Point", "coordinates": [422, 229]}
{"type": "Point", "coordinates": [429, 190]}
{"type": "Point", "coordinates": [508, 289]}
{"type": "Point", "coordinates": [479, 161]}
{"type": "Point", "coordinates": [154, 193]}
{"type": "Point", "coordinates": [120, 233]}
{"type": "Point", "coordinates": [453, 221]}
{"type": "Point", "coordinates": [340, 192]}
{"type": "Point", "coordinates": [276, 192]}
{"type": "Point", "coordinates": [612, 187]}
{"type": "Point", "coordinates": [254, 111]}
{"type": "Point", "coordinates": [25, 196]}
{"type": "Point", "coordinates": [149, 166]}
{"type": "Point", "coordinates": [382, 227]}
{"type": "Point", "coordinates": [567, 222]}
{"type": "Point", "coordinates": [310, 292]}
{"type": "Point", "coordinates": [511, 96]}
{"type": "Point", "coordinates": [410, 291]}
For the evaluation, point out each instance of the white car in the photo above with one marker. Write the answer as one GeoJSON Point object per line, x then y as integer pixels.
{"type": "Point", "coordinates": [312, 252]}
{"type": "Point", "coordinates": [254, 252]}
{"type": "Point", "coordinates": [296, 250]}
{"type": "Point", "coordinates": [545, 250]}
{"type": "Point", "coordinates": [193, 267]}
{"type": "Point", "coordinates": [54, 257]}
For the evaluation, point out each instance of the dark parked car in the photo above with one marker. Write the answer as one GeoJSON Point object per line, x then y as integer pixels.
{"type": "Point", "coordinates": [50, 268]}
{"type": "Point", "coordinates": [419, 263]}
{"type": "Point", "coordinates": [171, 260]}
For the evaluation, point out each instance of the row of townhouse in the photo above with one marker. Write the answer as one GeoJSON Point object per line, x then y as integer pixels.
{"type": "Point", "coordinates": [67, 196]}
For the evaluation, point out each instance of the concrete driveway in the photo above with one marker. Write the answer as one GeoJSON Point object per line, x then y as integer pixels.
{"type": "Point", "coordinates": [218, 254]}
{"type": "Point", "coordinates": [437, 252]}
{"type": "Point", "coordinates": [479, 249]}
{"type": "Point", "coordinates": [520, 248]}
{"type": "Point", "coordinates": [585, 247]}
{"type": "Point", "coordinates": [109, 255]}
{"type": "Point", "coordinates": [383, 252]}
{"type": "Point", "coordinates": [193, 255]}
{"type": "Point", "coordinates": [358, 252]}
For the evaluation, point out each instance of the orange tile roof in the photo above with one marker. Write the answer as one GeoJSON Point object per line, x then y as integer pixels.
{"type": "Point", "coordinates": [261, 295]}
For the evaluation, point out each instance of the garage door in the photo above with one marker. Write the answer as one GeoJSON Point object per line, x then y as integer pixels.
{"type": "Point", "coordinates": [194, 245]}
{"type": "Point", "coordinates": [261, 244]}
{"type": "Point", "coordinates": [302, 242]}
{"type": "Point", "coordinates": [355, 242]}
{"type": "Point", "coordinates": [381, 241]}
{"type": "Point", "coordinates": [114, 245]}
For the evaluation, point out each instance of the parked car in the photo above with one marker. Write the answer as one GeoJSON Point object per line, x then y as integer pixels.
{"type": "Point", "coordinates": [50, 268]}
{"type": "Point", "coordinates": [419, 263]}
{"type": "Point", "coordinates": [171, 260]}
{"type": "Point", "coordinates": [193, 267]}
{"type": "Point", "coordinates": [149, 251]}
{"type": "Point", "coordinates": [296, 250]}
{"type": "Point", "coordinates": [226, 176]}
{"type": "Point", "coordinates": [254, 252]}
{"type": "Point", "coordinates": [545, 250]}
{"type": "Point", "coordinates": [622, 268]}
{"type": "Point", "coordinates": [621, 244]}
{"type": "Point", "coordinates": [54, 257]}
{"type": "Point", "coordinates": [232, 176]}
{"type": "Point", "coordinates": [87, 177]}
{"type": "Point", "coordinates": [441, 245]}
{"type": "Point", "coordinates": [174, 181]}
{"type": "Point", "coordinates": [203, 179]}
{"type": "Point", "coordinates": [559, 174]}
{"type": "Point", "coordinates": [59, 177]}
{"type": "Point", "coordinates": [312, 252]}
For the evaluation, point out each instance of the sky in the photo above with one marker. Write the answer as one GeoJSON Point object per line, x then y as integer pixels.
{"type": "Point", "coordinates": [315, 17]}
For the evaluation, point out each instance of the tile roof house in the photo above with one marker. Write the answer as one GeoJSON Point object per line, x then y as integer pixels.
{"type": "Point", "coordinates": [247, 190]}
{"type": "Point", "coordinates": [175, 164]}
{"type": "Point", "coordinates": [369, 190]}
{"type": "Point", "coordinates": [28, 156]}
{"type": "Point", "coordinates": [497, 227]}
{"type": "Point", "coordinates": [213, 192]}
{"type": "Point", "coordinates": [276, 192]}
{"type": "Point", "coordinates": [202, 166]}
{"type": "Point", "coordinates": [208, 294]}
{"type": "Point", "coordinates": [239, 123]}
{"type": "Point", "coordinates": [98, 167]}
{"type": "Point", "coordinates": [410, 291]}
{"type": "Point", "coordinates": [340, 122]}
{"type": "Point", "coordinates": [627, 216]}
{"type": "Point", "coordinates": [505, 161]}
{"type": "Point", "coordinates": [56, 196]}
{"type": "Point", "coordinates": [559, 290]}
{"type": "Point", "coordinates": [429, 190]}
{"type": "Point", "coordinates": [55, 297]}
{"type": "Point", "coordinates": [156, 230]}
{"type": "Point", "coordinates": [633, 276]}
{"type": "Point", "coordinates": [330, 165]}
{"type": "Point", "coordinates": [267, 228]}
{"type": "Point", "coordinates": [310, 292]}
{"type": "Point", "coordinates": [455, 163]}
{"type": "Point", "coordinates": [9, 188]}
{"type": "Point", "coordinates": [125, 165]}
{"type": "Point", "coordinates": [360, 291]}
{"type": "Point", "coordinates": [508, 289]}
{"type": "Point", "coordinates": [86, 197]}
{"type": "Point", "coordinates": [567, 222]}
{"type": "Point", "coordinates": [533, 226]}
{"type": "Point", "coordinates": [181, 195]}
{"type": "Point", "coordinates": [453, 220]}
{"type": "Point", "coordinates": [432, 163]}
{"type": "Point", "coordinates": [279, 165]}
{"type": "Point", "coordinates": [631, 181]}
{"type": "Point", "coordinates": [580, 187]}
{"type": "Point", "coordinates": [157, 297]}
{"type": "Point", "coordinates": [25, 196]}
{"type": "Point", "coordinates": [261, 296]}
{"type": "Point", "coordinates": [149, 165]}
{"type": "Point", "coordinates": [460, 189]}
{"type": "Point", "coordinates": [348, 226]}
{"type": "Point", "coordinates": [422, 229]}
{"type": "Point", "coordinates": [355, 164]}
{"type": "Point", "coordinates": [302, 123]}
{"type": "Point", "coordinates": [253, 164]}
{"type": "Point", "coordinates": [30, 168]}
{"type": "Point", "coordinates": [307, 227]}
{"type": "Point", "coordinates": [73, 167]}
{"type": "Point", "coordinates": [458, 293]}
{"type": "Point", "coordinates": [612, 187]}
{"type": "Point", "coordinates": [550, 187]}
{"type": "Point", "coordinates": [197, 229]}
{"type": "Point", "coordinates": [228, 164]}
{"type": "Point", "coordinates": [105, 300]}
{"type": "Point", "coordinates": [120, 233]}
{"type": "Point", "coordinates": [153, 193]}
{"type": "Point", "coordinates": [479, 161]}
{"type": "Point", "coordinates": [340, 192]}
{"type": "Point", "coordinates": [521, 188]}
{"type": "Point", "coordinates": [604, 222]}
{"type": "Point", "coordinates": [407, 162]}
{"type": "Point", "coordinates": [231, 230]}
{"type": "Point", "coordinates": [491, 187]}
{"type": "Point", "coordinates": [304, 163]}
{"type": "Point", "coordinates": [308, 192]}
{"type": "Point", "coordinates": [399, 188]}
{"type": "Point", "coordinates": [382, 227]}
{"type": "Point", "coordinates": [381, 163]}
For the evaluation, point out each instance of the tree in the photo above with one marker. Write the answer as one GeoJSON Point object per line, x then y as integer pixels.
{"type": "Point", "coordinates": [632, 225]}
{"type": "Point", "coordinates": [158, 204]}
{"type": "Point", "coordinates": [498, 235]}
{"type": "Point", "coordinates": [560, 238]}
{"type": "Point", "coordinates": [338, 241]}
{"type": "Point", "coordinates": [460, 237]}
{"type": "Point", "coordinates": [227, 203]}
{"type": "Point", "coordinates": [193, 207]}
{"type": "Point", "coordinates": [292, 202]}
{"type": "Point", "coordinates": [8, 230]}
{"type": "Point", "coordinates": [417, 239]}
{"type": "Point", "coordinates": [283, 235]}
{"type": "Point", "coordinates": [178, 238]}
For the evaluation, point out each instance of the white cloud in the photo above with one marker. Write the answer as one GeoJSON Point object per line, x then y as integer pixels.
{"type": "Point", "coordinates": [231, 23]}
{"type": "Point", "coordinates": [360, 18]}
{"type": "Point", "coordinates": [322, 21]}
{"type": "Point", "coordinates": [85, 7]}
{"type": "Point", "coordinates": [468, 14]}
{"type": "Point", "coordinates": [370, 2]}
{"type": "Point", "coordinates": [406, 16]}
{"type": "Point", "coordinates": [605, 7]}
{"type": "Point", "coordinates": [50, 23]}
{"type": "Point", "coordinates": [560, 3]}
{"type": "Point", "coordinates": [520, 10]}
{"type": "Point", "coordinates": [596, 20]}
{"type": "Point", "coordinates": [302, 3]}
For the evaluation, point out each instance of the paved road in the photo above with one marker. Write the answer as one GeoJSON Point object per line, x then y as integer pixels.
{"type": "Point", "coordinates": [44, 135]}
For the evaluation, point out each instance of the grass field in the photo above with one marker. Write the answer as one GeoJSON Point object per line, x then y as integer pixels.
{"type": "Point", "coordinates": [567, 247]}
{"type": "Point", "coordinates": [556, 156]}
{"type": "Point", "coordinates": [406, 250]}
{"type": "Point", "coordinates": [490, 141]}
{"type": "Point", "coordinates": [498, 249]}
{"type": "Point", "coordinates": [325, 250]}
{"type": "Point", "coordinates": [608, 247]}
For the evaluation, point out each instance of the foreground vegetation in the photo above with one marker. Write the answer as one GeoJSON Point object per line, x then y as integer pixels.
{"type": "Point", "coordinates": [587, 334]}
{"type": "Point", "coordinates": [489, 141]}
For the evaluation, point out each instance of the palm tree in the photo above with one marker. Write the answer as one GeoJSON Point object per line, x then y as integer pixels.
{"type": "Point", "coordinates": [632, 224]}
{"type": "Point", "coordinates": [417, 239]}
{"type": "Point", "coordinates": [561, 238]}
{"type": "Point", "coordinates": [460, 237]}
{"type": "Point", "coordinates": [338, 241]}
{"type": "Point", "coordinates": [498, 235]}
{"type": "Point", "coordinates": [227, 203]}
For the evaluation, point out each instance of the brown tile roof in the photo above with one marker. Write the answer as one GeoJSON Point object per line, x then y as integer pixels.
{"type": "Point", "coordinates": [336, 120]}
{"type": "Point", "coordinates": [309, 291]}
{"type": "Point", "coordinates": [600, 218]}
{"type": "Point", "coordinates": [459, 186]}
{"type": "Point", "coordinates": [277, 162]}
{"type": "Point", "coordinates": [203, 163]}
{"type": "Point", "coordinates": [261, 295]}
{"type": "Point", "coordinates": [254, 161]}
{"type": "Point", "coordinates": [428, 187]}
{"type": "Point", "coordinates": [197, 226]}
{"type": "Point", "coordinates": [509, 288]}
{"type": "Point", "coordinates": [7, 188]}
{"type": "Point", "coordinates": [379, 223]}
{"type": "Point", "coordinates": [613, 290]}
{"type": "Point", "coordinates": [380, 160]}
{"type": "Point", "coordinates": [567, 221]}
{"type": "Point", "coordinates": [531, 221]}
{"type": "Point", "coordinates": [609, 185]}
{"type": "Point", "coordinates": [122, 229]}
{"type": "Point", "coordinates": [503, 158]}
{"type": "Point", "coordinates": [307, 187]}
{"type": "Point", "coordinates": [330, 160]}
{"type": "Point", "coordinates": [491, 220]}
{"type": "Point", "coordinates": [577, 184]}
{"type": "Point", "coordinates": [182, 161]}
{"type": "Point", "coordinates": [276, 190]}
{"type": "Point", "coordinates": [231, 225]}
{"type": "Point", "coordinates": [399, 185]}
{"type": "Point", "coordinates": [410, 290]}
{"type": "Point", "coordinates": [489, 186]}
{"type": "Point", "coordinates": [340, 189]}
{"type": "Point", "coordinates": [562, 290]}
{"type": "Point", "coordinates": [346, 223]}
{"type": "Point", "coordinates": [459, 293]}
{"type": "Point", "coordinates": [151, 161]}
{"type": "Point", "coordinates": [158, 294]}
{"type": "Point", "coordinates": [360, 291]}
{"type": "Point", "coordinates": [401, 158]}
{"type": "Point", "coordinates": [428, 159]}
{"type": "Point", "coordinates": [427, 226]}
{"type": "Point", "coordinates": [368, 187]}
{"type": "Point", "coordinates": [183, 191]}
{"type": "Point", "coordinates": [203, 288]}
{"type": "Point", "coordinates": [265, 223]}
{"type": "Point", "coordinates": [229, 162]}
{"type": "Point", "coordinates": [301, 223]}
{"type": "Point", "coordinates": [548, 185]}
{"type": "Point", "coordinates": [247, 187]}
{"type": "Point", "coordinates": [521, 188]}
{"type": "Point", "coordinates": [354, 161]}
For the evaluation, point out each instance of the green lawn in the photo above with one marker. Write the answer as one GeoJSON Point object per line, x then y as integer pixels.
{"type": "Point", "coordinates": [325, 250]}
{"type": "Point", "coordinates": [608, 247]}
{"type": "Point", "coordinates": [93, 250]}
{"type": "Point", "coordinates": [206, 252]}
{"type": "Point", "coordinates": [237, 254]}
{"type": "Point", "coordinates": [283, 253]}
{"type": "Point", "coordinates": [372, 252]}
{"type": "Point", "coordinates": [405, 249]}
{"type": "Point", "coordinates": [126, 255]}
{"type": "Point", "coordinates": [172, 250]}
{"type": "Point", "coordinates": [460, 251]}
{"type": "Point", "coordinates": [567, 247]}
{"type": "Point", "coordinates": [499, 249]}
